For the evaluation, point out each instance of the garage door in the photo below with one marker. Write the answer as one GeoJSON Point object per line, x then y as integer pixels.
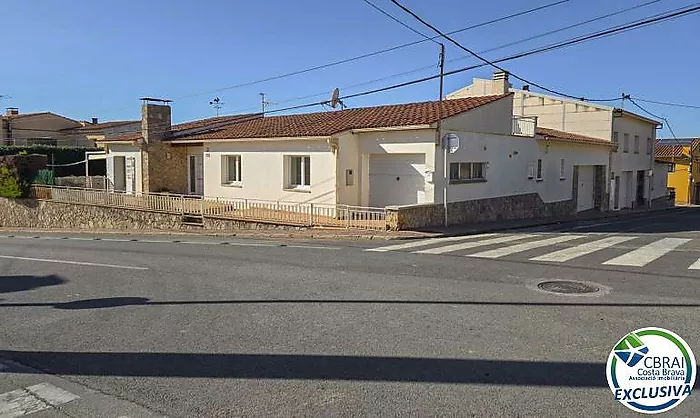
{"type": "Point", "coordinates": [396, 179]}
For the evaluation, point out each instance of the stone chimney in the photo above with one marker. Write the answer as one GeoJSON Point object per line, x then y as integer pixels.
{"type": "Point", "coordinates": [500, 83]}
{"type": "Point", "coordinates": [155, 120]}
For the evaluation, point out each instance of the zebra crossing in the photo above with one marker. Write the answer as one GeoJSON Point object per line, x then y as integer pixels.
{"type": "Point", "coordinates": [622, 250]}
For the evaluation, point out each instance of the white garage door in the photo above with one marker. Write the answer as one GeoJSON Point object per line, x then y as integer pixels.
{"type": "Point", "coordinates": [396, 179]}
{"type": "Point", "coordinates": [586, 195]}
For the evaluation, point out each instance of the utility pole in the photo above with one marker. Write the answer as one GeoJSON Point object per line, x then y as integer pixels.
{"type": "Point", "coordinates": [438, 134]}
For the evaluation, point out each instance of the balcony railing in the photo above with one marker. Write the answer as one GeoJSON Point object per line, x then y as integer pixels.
{"type": "Point", "coordinates": [524, 126]}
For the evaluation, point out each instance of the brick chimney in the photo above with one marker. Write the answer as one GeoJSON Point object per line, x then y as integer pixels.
{"type": "Point", "coordinates": [155, 120]}
{"type": "Point", "coordinates": [500, 83]}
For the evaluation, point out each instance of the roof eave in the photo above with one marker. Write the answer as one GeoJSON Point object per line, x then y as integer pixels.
{"type": "Point", "coordinates": [265, 139]}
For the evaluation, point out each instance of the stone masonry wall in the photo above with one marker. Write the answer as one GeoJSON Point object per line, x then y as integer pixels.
{"type": "Point", "coordinates": [167, 168]}
{"type": "Point", "coordinates": [526, 206]}
{"type": "Point", "coordinates": [29, 213]}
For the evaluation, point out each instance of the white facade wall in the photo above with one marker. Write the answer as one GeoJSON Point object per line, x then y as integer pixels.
{"type": "Point", "coordinates": [508, 161]}
{"type": "Point", "coordinates": [627, 164]}
{"type": "Point", "coordinates": [263, 170]}
{"type": "Point", "coordinates": [124, 150]}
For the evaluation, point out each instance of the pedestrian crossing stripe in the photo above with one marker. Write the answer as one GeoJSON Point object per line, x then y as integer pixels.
{"type": "Point", "coordinates": [647, 253]}
{"type": "Point", "coordinates": [583, 249]}
{"type": "Point", "coordinates": [638, 257]}
{"type": "Point", "coordinates": [424, 242]}
{"type": "Point", "coordinates": [518, 248]}
{"type": "Point", "coordinates": [473, 244]}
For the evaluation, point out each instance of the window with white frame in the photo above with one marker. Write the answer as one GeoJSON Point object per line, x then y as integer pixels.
{"type": "Point", "coordinates": [539, 170]}
{"type": "Point", "coordinates": [626, 143]}
{"type": "Point", "coordinates": [231, 169]}
{"type": "Point", "coordinates": [616, 139]}
{"type": "Point", "coordinates": [298, 171]}
{"type": "Point", "coordinates": [530, 170]}
{"type": "Point", "coordinates": [636, 144]}
{"type": "Point", "coordinates": [562, 169]}
{"type": "Point", "coordinates": [467, 172]}
{"type": "Point", "coordinates": [650, 147]}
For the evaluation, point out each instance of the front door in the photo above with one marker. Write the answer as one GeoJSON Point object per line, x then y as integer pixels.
{"type": "Point", "coordinates": [195, 175]}
{"type": "Point", "coordinates": [640, 188]}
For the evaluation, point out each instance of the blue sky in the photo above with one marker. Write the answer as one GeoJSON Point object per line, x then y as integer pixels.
{"type": "Point", "coordinates": [84, 58]}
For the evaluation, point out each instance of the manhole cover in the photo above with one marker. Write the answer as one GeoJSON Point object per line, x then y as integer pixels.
{"type": "Point", "coordinates": [567, 287]}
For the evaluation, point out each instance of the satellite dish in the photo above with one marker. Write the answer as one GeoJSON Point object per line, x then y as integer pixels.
{"type": "Point", "coordinates": [335, 99]}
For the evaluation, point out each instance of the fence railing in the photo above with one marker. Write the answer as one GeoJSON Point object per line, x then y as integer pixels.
{"type": "Point", "coordinates": [288, 213]}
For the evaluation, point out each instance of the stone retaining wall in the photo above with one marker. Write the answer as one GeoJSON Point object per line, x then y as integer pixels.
{"type": "Point", "coordinates": [30, 213]}
{"type": "Point", "coordinates": [526, 206]}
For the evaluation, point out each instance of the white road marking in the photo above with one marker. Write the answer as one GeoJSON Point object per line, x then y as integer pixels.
{"type": "Point", "coordinates": [695, 265]}
{"type": "Point", "coordinates": [79, 263]}
{"type": "Point", "coordinates": [314, 247]}
{"type": "Point", "coordinates": [33, 399]}
{"type": "Point", "coordinates": [592, 225]}
{"type": "Point", "coordinates": [580, 250]}
{"type": "Point", "coordinates": [517, 248]}
{"type": "Point", "coordinates": [421, 243]}
{"type": "Point", "coordinates": [474, 244]}
{"type": "Point", "coordinates": [51, 394]}
{"type": "Point", "coordinates": [648, 253]}
{"type": "Point", "coordinates": [114, 240]}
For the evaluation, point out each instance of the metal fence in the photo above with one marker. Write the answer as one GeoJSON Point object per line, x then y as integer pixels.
{"type": "Point", "coordinates": [287, 213]}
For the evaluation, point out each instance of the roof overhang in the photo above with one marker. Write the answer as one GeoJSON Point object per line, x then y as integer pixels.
{"type": "Point", "coordinates": [393, 128]}
{"type": "Point", "coordinates": [621, 112]}
{"type": "Point", "coordinates": [608, 144]}
{"type": "Point", "coordinates": [270, 139]}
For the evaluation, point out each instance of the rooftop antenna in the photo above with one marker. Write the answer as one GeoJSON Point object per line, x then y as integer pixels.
{"type": "Point", "coordinates": [335, 99]}
{"type": "Point", "coordinates": [217, 104]}
{"type": "Point", "coordinates": [264, 103]}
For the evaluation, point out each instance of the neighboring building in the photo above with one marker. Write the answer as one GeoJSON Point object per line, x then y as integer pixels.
{"type": "Point", "coordinates": [371, 157]}
{"type": "Point", "coordinates": [46, 128]}
{"type": "Point", "coordinates": [675, 155]}
{"type": "Point", "coordinates": [95, 131]}
{"type": "Point", "coordinates": [631, 159]}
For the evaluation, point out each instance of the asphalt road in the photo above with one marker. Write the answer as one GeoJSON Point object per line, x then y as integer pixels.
{"type": "Point", "coordinates": [231, 327]}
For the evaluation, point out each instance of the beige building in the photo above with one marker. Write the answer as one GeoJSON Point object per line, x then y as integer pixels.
{"type": "Point", "coordinates": [631, 167]}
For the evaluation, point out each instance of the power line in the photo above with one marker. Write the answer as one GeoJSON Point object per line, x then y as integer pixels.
{"type": "Point", "coordinates": [668, 125]}
{"type": "Point", "coordinates": [551, 47]}
{"type": "Point", "coordinates": [457, 44]}
{"type": "Point", "coordinates": [379, 52]}
{"type": "Point", "coordinates": [667, 103]}
{"type": "Point", "coordinates": [390, 16]}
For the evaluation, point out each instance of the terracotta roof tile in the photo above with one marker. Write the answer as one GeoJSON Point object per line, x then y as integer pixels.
{"type": "Point", "coordinates": [329, 123]}
{"type": "Point", "coordinates": [196, 126]}
{"type": "Point", "coordinates": [90, 127]}
{"type": "Point", "coordinates": [556, 135]}
{"type": "Point", "coordinates": [670, 151]}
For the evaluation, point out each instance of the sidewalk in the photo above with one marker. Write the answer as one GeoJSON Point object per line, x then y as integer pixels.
{"type": "Point", "coordinates": [507, 225]}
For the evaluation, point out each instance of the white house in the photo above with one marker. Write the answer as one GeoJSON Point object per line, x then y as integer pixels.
{"type": "Point", "coordinates": [631, 164]}
{"type": "Point", "coordinates": [371, 157]}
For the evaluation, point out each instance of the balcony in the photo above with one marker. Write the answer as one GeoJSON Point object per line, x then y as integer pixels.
{"type": "Point", "coordinates": [524, 126]}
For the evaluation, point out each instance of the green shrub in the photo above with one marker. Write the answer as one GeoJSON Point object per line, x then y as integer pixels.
{"type": "Point", "coordinates": [10, 185]}
{"type": "Point", "coordinates": [44, 177]}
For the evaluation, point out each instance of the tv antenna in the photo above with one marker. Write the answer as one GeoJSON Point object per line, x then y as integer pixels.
{"type": "Point", "coordinates": [335, 99]}
{"type": "Point", "coordinates": [264, 103]}
{"type": "Point", "coordinates": [217, 104]}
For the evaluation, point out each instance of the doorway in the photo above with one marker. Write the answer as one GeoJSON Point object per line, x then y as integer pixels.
{"type": "Point", "coordinates": [617, 193]}
{"type": "Point", "coordinates": [195, 175]}
{"type": "Point", "coordinates": [640, 188]}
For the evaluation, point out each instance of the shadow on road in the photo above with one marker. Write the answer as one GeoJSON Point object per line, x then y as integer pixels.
{"type": "Point", "coordinates": [10, 284]}
{"type": "Point", "coordinates": [314, 367]}
{"type": "Point", "coordinates": [116, 302]}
